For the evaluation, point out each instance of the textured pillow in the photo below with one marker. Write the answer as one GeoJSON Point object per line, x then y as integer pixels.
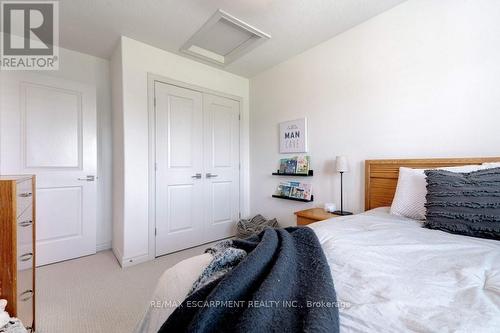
{"type": "Point", "coordinates": [409, 199]}
{"type": "Point", "coordinates": [464, 203]}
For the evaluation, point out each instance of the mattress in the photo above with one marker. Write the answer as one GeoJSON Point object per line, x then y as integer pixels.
{"type": "Point", "coordinates": [390, 275]}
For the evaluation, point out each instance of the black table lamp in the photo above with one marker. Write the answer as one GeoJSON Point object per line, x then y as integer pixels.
{"type": "Point", "coordinates": [342, 166]}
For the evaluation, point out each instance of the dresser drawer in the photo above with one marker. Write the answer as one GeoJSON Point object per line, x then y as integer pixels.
{"type": "Point", "coordinates": [25, 297]}
{"type": "Point", "coordinates": [25, 258]}
{"type": "Point", "coordinates": [25, 293]}
{"type": "Point", "coordinates": [24, 193]}
{"type": "Point", "coordinates": [25, 227]}
{"type": "Point", "coordinates": [25, 239]}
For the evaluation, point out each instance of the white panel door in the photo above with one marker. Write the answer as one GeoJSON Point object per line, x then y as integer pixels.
{"type": "Point", "coordinates": [48, 128]}
{"type": "Point", "coordinates": [179, 163]}
{"type": "Point", "coordinates": [222, 159]}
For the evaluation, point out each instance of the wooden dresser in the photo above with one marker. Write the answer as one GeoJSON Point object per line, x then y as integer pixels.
{"type": "Point", "coordinates": [17, 247]}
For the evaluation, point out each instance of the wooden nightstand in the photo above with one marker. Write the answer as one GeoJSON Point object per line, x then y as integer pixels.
{"type": "Point", "coordinates": [305, 217]}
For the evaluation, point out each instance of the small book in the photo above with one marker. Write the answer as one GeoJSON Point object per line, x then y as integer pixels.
{"type": "Point", "coordinates": [284, 189]}
{"type": "Point", "coordinates": [302, 165]}
{"type": "Point", "coordinates": [297, 192]}
{"type": "Point", "coordinates": [291, 165]}
{"type": "Point", "coordinates": [283, 163]}
{"type": "Point", "coordinates": [307, 191]}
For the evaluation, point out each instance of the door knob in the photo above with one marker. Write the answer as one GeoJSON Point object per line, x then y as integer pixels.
{"type": "Point", "coordinates": [89, 178]}
{"type": "Point", "coordinates": [197, 176]}
{"type": "Point", "coordinates": [209, 175]}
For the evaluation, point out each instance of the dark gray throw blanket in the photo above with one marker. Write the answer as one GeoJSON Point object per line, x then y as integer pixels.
{"type": "Point", "coordinates": [282, 285]}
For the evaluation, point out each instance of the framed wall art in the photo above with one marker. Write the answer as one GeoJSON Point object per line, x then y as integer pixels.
{"type": "Point", "coordinates": [293, 136]}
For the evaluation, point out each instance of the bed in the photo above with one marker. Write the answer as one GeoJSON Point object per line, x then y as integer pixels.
{"type": "Point", "coordinates": [390, 274]}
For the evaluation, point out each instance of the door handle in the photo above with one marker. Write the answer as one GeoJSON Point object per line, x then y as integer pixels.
{"type": "Point", "coordinates": [26, 223]}
{"type": "Point", "coordinates": [26, 256]}
{"type": "Point", "coordinates": [26, 295]}
{"type": "Point", "coordinates": [89, 178]}
{"type": "Point", "coordinates": [197, 176]}
{"type": "Point", "coordinates": [25, 194]}
{"type": "Point", "coordinates": [209, 175]}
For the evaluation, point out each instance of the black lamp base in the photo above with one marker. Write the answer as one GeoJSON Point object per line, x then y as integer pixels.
{"type": "Point", "coordinates": [341, 213]}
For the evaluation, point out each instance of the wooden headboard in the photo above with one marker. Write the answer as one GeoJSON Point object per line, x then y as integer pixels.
{"type": "Point", "coordinates": [381, 176]}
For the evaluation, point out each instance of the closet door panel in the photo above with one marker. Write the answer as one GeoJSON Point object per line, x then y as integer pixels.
{"type": "Point", "coordinates": [179, 168]}
{"type": "Point", "coordinates": [222, 160]}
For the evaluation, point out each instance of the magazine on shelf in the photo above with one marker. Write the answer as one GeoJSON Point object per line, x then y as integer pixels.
{"type": "Point", "coordinates": [284, 189]}
{"type": "Point", "coordinates": [291, 165]}
{"type": "Point", "coordinates": [302, 165]}
{"type": "Point", "coordinates": [283, 162]}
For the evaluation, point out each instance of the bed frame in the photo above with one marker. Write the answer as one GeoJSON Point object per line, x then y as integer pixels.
{"type": "Point", "coordinates": [381, 176]}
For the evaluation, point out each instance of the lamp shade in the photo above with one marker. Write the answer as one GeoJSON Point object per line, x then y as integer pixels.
{"type": "Point", "coordinates": [341, 164]}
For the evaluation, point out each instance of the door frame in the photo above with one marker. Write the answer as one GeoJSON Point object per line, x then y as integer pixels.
{"type": "Point", "coordinates": [152, 79]}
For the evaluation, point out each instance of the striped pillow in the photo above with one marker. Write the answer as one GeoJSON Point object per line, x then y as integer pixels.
{"type": "Point", "coordinates": [464, 203]}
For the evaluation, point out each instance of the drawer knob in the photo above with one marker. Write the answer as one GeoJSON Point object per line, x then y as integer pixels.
{"type": "Point", "coordinates": [25, 194]}
{"type": "Point", "coordinates": [26, 223]}
{"type": "Point", "coordinates": [26, 256]}
{"type": "Point", "coordinates": [26, 295]}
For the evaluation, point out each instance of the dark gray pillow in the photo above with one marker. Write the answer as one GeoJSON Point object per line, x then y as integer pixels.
{"type": "Point", "coordinates": [464, 203]}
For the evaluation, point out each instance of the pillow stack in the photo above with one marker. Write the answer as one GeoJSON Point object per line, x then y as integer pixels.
{"type": "Point", "coordinates": [464, 203]}
{"type": "Point", "coordinates": [463, 200]}
{"type": "Point", "coordinates": [409, 199]}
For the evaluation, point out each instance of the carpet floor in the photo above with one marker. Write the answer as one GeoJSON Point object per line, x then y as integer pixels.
{"type": "Point", "coordinates": [93, 294]}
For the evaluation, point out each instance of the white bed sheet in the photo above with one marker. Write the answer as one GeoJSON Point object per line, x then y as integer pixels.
{"type": "Point", "coordinates": [393, 275]}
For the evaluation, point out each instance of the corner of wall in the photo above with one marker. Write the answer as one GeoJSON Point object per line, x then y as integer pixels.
{"type": "Point", "coordinates": [118, 151]}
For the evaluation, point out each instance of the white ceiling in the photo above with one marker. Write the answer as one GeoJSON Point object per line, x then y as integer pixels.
{"type": "Point", "coordinates": [94, 26]}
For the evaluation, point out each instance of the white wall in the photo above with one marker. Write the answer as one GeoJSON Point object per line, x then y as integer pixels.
{"type": "Point", "coordinates": [87, 69]}
{"type": "Point", "coordinates": [137, 60]}
{"type": "Point", "coordinates": [420, 80]}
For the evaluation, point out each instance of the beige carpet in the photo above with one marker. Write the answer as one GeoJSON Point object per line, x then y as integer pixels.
{"type": "Point", "coordinates": [93, 294]}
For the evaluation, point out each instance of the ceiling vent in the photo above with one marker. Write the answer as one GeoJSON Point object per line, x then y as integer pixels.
{"type": "Point", "coordinates": [223, 39]}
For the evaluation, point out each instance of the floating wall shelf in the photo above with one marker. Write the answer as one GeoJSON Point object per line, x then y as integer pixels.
{"type": "Point", "coordinates": [294, 199]}
{"type": "Point", "coordinates": [310, 174]}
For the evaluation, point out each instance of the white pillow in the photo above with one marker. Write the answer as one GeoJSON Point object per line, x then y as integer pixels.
{"type": "Point", "coordinates": [409, 199]}
{"type": "Point", "coordinates": [491, 165]}
{"type": "Point", "coordinates": [411, 191]}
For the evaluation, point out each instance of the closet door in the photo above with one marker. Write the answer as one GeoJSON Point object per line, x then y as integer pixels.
{"type": "Point", "coordinates": [179, 175]}
{"type": "Point", "coordinates": [222, 159]}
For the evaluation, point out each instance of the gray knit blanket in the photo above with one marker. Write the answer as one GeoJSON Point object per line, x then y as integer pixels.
{"type": "Point", "coordinates": [277, 281]}
{"type": "Point", "coordinates": [225, 258]}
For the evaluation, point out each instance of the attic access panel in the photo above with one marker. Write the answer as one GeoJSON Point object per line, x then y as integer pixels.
{"type": "Point", "coordinates": [223, 39]}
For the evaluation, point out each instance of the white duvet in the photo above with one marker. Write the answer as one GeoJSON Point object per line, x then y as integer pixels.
{"type": "Point", "coordinates": [392, 275]}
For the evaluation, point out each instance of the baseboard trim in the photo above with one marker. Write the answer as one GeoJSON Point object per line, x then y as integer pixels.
{"type": "Point", "coordinates": [103, 247]}
{"type": "Point", "coordinates": [127, 262]}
